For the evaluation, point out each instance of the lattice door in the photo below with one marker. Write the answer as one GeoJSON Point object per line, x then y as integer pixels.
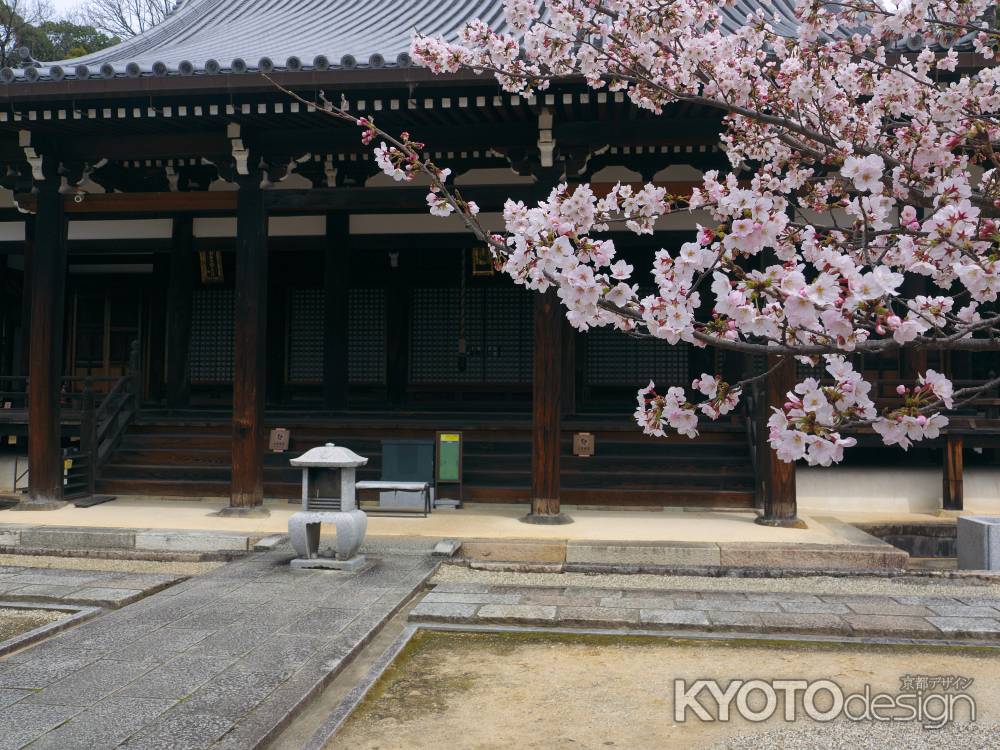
{"type": "Point", "coordinates": [614, 359]}
{"type": "Point", "coordinates": [211, 359]}
{"type": "Point", "coordinates": [366, 334]}
{"type": "Point", "coordinates": [305, 336]}
{"type": "Point", "coordinates": [497, 336]}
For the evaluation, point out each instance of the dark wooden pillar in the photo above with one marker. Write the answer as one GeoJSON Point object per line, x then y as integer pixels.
{"type": "Point", "coordinates": [546, 410]}
{"type": "Point", "coordinates": [249, 355]}
{"type": "Point", "coordinates": [180, 293]}
{"type": "Point", "coordinates": [336, 287]}
{"type": "Point", "coordinates": [569, 369]}
{"type": "Point", "coordinates": [155, 368]}
{"type": "Point", "coordinates": [48, 304]}
{"type": "Point", "coordinates": [952, 491]}
{"type": "Point", "coordinates": [779, 477]}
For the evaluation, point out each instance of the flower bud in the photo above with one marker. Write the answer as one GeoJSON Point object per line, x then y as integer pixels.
{"type": "Point", "coordinates": [901, 389]}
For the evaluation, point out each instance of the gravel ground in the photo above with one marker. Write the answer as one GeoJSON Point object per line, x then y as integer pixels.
{"type": "Point", "coordinates": [903, 586]}
{"type": "Point", "coordinates": [867, 735]}
{"type": "Point", "coordinates": [16, 621]}
{"type": "Point", "coordinates": [111, 566]}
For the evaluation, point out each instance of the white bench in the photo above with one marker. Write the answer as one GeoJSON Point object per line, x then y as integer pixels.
{"type": "Point", "coordinates": [387, 486]}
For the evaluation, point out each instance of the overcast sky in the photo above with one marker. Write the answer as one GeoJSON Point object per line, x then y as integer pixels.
{"type": "Point", "coordinates": [61, 6]}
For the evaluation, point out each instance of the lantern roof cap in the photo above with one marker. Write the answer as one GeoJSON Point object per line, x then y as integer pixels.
{"type": "Point", "coordinates": [330, 456]}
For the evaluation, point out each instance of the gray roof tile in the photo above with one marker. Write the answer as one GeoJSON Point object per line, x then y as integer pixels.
{"type": "Point", "coordinates": [211, 37]}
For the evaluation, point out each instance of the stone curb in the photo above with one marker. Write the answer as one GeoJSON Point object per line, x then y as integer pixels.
{"type": "Point", "coordinates": [861, 552]}
{"type": "Point", "coordinates": [263, 740]}
{"type": "Point", "coordinates": [80, 614]}
{"type": "Point", "coordinates": [707, 626]}
{"type": "Point", "coordinates": [322, 736]}
{"type": "Point", "coordinates": [96, 541]}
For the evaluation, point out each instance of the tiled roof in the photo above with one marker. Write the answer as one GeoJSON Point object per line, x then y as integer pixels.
{"type": "Point", "coordinates": [211, 37]}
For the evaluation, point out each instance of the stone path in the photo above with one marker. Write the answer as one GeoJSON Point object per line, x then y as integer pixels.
{"type": "Point", "coordinates": [907, 617]}
{"type": "Point", "coordinates": [220, 661]}
{"type": "Point", "coordinates": [93, 588]}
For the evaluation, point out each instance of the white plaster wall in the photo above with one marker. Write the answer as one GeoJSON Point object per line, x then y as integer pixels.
{"type": "Point", "coordinates": [420, 224]}
{"type": "Point", "coordinates": [900, 490]}
{"type": "Point", "coordinates": [120, 229]}
{"type": "Point", "coordinates": [11, 231]}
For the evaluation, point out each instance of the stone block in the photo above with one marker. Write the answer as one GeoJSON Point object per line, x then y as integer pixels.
{"type": "Point", "coordinates": [515, 550]}
{"type": "Point", "coordinates": [884, 607]}
{"type": "Point", "coordinates": [77, 538]}
{"type": "Point", "coordinates": [677, 617]}
{"type": "Point", "coordinates": [10, 537]}
{"type": "Point", "coordinates": [979, 542]}
{"type": "Point", "coordinates": [268, 543]}
{"type": "Point", "coordinates": [890, 625]}
{"type": "Point", "coordinates": [749, 621]}
{"type": "Point", "coordinates": [669, 554]}
{"type": "Point", "coordinates": [189, 541]}
{"type": "Point", "coordinates": [92, 683]}
{"type": "Point", "coordinates": [23, 722]}
{"type": "Point", "coordinates": [815, 608]}
{"type": "Point", "coordinates": [812, 556]}
{"type": "Point", "coordinates": [443, 612]}
{"type": "Point", "coordinates": [978, 626]}
{"type": "Point", "coordinates": [109, 722]}
{"type": "Point", "coordinates": [597, 616]}
{"type": "Point", "coordinates": [351, 565]}
{"type": "Point", "coordinates": [447, 548]}
{"type": "Point", "coordinates": [963, 610]}
{"type": "Point", "coordinates": [177, 731]}
{"type": "Point", "coordinates": [434, 596]}
{"type": "Point", "coordinates": [520, 614]}
{"type": "Point", "coordinates": [789, 622]}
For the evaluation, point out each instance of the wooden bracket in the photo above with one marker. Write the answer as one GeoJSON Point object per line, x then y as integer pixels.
{"type": "Point", "coordinates": [33, 158]}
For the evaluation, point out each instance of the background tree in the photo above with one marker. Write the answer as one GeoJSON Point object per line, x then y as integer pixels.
{"type": "Point", "coordinates": [62, 40]}
{"type": "Point", "coordinates": [18, 19]}
{"type": "Point", "coordinates": [125, 18]}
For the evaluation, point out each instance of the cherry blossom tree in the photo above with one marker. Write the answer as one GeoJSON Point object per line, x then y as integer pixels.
{"type": "Point", "coordinates": [862, 151]}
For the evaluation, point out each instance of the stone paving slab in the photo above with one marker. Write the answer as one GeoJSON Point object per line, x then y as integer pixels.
{"type": "Point", "coordinates": [91, 588]}
{"type": "Point", "coordinates": [904, 617]}
{"type": "Point", "coordinates": [221, 661]}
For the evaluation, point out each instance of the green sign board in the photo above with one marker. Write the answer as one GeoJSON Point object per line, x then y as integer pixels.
{"type": "Point", "coordinates": [449, 457]}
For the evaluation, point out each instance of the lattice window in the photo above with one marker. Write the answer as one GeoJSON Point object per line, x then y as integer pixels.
{"type": "Point", "coordinates": [305, 335]}
{"type": "Point", "coordinates": [211, 359]}
{"type": "Point", "coordinates": [616, 359]}
{"type": "Point", "coordinates": [497, 336]}
{"type": "Point", "coordinates": [366, 351]}
{"type": "Point", "coordinates": [434, 336]}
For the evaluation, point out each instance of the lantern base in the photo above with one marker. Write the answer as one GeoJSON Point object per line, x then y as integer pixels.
{"type": "Point", "coordinates": [353, 565]}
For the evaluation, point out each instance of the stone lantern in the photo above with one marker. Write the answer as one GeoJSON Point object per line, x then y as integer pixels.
{"type": "Point", "coordinates": [328, 496]}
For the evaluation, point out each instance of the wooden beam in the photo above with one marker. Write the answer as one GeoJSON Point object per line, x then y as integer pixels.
{"type": "Point", "coordinates": [354, 200]}
{"type": "Point", "coordinates": [180, 294]}
{"type": "Point", "coordinates": [203, 202]}
{"type": "Point", "coordinates": [336, 286]}
{"type": "Point", "coordinates": [48, 302]}
{"type": "Point", "coordinates": [546, 403]}
{"type": "Point", "coordinates": [779, 478]}
{"type": "Point", "coordinates": [249, 351]}
{"type": "Point", "coordinates": [953, 495]}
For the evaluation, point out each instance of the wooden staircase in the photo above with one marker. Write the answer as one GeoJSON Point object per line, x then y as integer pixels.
{"type": "Point", "coordinates": [189, 456]}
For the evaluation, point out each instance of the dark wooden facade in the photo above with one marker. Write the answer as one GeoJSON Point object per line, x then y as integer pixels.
{"type": "Point", "coordinates": [332, 322]}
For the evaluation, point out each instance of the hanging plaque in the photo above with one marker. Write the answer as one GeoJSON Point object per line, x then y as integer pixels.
{"type": "Point", "coordinates": [280, 437]}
